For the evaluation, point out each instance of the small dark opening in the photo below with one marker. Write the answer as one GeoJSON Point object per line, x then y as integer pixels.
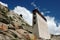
{"type": "Point", "coordinates": [20, 15]}
{"type": "Point", "coordinates": [34, 13]}
{"type": "Point", "coordinates": [34, 22]}
{"type": "Point", "coordinates": [34, 18]}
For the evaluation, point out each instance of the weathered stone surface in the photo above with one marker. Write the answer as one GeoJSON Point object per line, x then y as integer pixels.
{"type": "Point", "coordinates": [13, 26]}
{"type": "Point", "coordinates": [3, 27]}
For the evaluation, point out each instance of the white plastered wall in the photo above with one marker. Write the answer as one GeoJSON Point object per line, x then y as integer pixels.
{"type": "Point", "coordinates": [42, 27]}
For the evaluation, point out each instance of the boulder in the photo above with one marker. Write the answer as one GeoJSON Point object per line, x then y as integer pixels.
{"type": "Point", "coordinates": [3, 27]}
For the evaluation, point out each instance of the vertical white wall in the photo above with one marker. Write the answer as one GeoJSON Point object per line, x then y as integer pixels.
{"type": "Point", "coordinates": [42, 27]}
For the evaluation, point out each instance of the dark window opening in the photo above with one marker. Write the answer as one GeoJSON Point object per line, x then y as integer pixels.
{"type": "Point", "coordinates": [34, 18]}
{"type": "Point", "coordinates": [34, 13]}
{"type": "Point", "coordinates": [34, 22]}
{"type": "Point", "coordinates": [20, 15]}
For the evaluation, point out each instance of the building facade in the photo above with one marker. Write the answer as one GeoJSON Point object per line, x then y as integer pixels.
{"type": "Point", "coordinates": [40, 28]}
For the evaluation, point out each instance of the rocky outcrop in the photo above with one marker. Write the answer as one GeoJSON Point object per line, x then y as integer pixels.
{"type": "Point", "coordinates": [13, 26]}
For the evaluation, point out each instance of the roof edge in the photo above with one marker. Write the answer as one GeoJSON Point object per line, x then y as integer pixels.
{"type": "Point", "coordinates": [34, 11]}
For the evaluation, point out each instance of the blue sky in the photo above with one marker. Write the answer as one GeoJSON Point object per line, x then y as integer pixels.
{"type": "Point", "coordinates": [44, 5]}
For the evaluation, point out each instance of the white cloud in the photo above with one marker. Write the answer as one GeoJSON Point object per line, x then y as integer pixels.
{"type": "Point", "coordinates": [3, 4]}
{"type": "Point", "coordinates": [52, 26]}
{"type": "Point", "coordinates": [36, 7]}
{"type": "Point", "coordinates": [42, 13]}
{"type": "Point", "coordinates": [26, 13]}
{"type": "Point", "coordinates": [47, 12]}
{"type": "Point", "coordinates": [33, 4]}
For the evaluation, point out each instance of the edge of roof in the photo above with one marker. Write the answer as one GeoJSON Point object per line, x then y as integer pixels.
{"type": "Point", "coordinates": [34, 11]}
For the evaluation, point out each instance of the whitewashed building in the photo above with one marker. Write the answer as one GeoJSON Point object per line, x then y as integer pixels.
{"type": "Point", "coordinates": [40, 28]}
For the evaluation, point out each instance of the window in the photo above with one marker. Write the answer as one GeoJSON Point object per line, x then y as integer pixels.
{"type": "Point", "coordinates": [34, 13]}
{"type": "Point", "coordinates": [34, 18]}
{"type": "Point", "coordinates": [20, 15]}
{"type": "Point", "coordinates": [34, 22]}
